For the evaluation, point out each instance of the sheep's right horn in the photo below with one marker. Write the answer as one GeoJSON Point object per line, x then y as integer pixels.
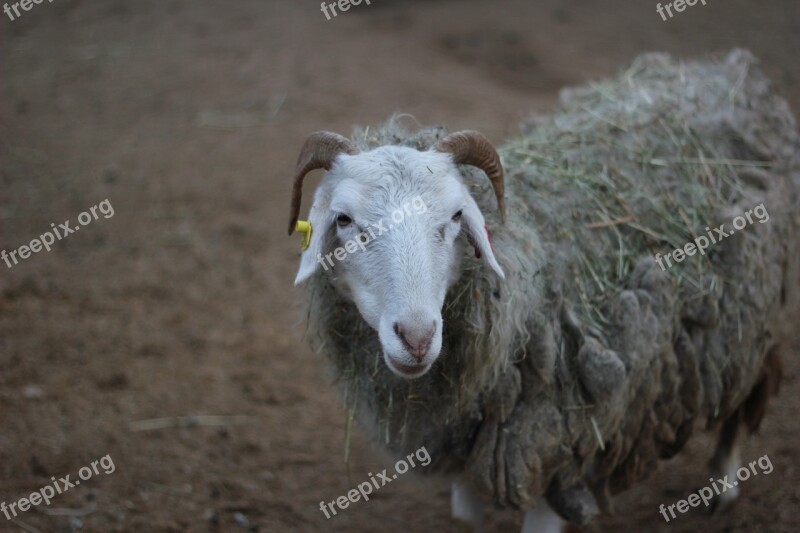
{"type": "Point", "coordinates": [472, 148]}
{"type": "Point", "coordinates": [319, 151]}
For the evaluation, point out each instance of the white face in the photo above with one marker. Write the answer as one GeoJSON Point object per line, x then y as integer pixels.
{"type": "Point", "coordinates": [385, 227]}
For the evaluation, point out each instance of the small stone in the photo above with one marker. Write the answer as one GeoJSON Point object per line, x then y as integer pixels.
{"type": "Point", "coordinates": [211, 516]}
{"type": "Point", "coordinates": [32, 392]}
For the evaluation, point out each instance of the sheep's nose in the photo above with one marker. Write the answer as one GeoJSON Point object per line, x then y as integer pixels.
{"type": "Point", "coordinates": [416, 338]}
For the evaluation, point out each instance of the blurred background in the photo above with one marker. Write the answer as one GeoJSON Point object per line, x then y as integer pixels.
{"type": "Point", "coordinates": [187, 115]}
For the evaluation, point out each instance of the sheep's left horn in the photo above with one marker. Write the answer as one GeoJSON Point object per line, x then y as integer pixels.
{"type": "Point", "coordinates": [472, 148]}
{"type": "Point", "coordinates": [319, 151]}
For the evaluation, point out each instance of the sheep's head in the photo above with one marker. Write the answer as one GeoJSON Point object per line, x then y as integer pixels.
{"type": "Point", "coordinates": [390, 226]}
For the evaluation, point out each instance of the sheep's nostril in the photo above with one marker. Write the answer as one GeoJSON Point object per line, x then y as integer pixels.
{"type": "Point", "coordinates": [416, 340]}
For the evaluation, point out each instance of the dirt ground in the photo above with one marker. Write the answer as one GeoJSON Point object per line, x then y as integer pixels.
{"type": "Point", "coordinates": [187, 116]}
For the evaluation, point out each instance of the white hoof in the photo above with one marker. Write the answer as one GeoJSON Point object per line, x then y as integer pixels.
{"type": "Point", "coordinates": [542, 519]}
{"type": "Point", "coordinates": [466, 506]}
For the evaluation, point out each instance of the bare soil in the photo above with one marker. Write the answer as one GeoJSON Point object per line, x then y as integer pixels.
{"type": "Point", "coordinates": [187, 116]}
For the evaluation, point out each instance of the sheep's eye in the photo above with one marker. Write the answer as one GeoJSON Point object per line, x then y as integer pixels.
{"type": "Point", "coordinates": [343, 221]}
{"type": "Point", "coordinates": [457, 216]}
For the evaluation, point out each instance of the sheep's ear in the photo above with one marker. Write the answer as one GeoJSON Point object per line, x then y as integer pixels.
{"type": "Point", "coordinates": [321, 219]}
{"type": "Point", "coordinates": [472, 219]}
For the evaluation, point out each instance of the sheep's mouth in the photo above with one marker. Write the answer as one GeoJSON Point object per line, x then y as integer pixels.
{"type": "Point", "coordinates": [408, 371]}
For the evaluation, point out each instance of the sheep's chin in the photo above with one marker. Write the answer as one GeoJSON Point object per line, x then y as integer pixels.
{"type": "Point", "coordinates": [407, 371]}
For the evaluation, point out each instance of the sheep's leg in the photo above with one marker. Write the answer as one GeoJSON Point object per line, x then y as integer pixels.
{"type": "Point", "coordinates": [542, 519]}
{"type": "Point", "coordinates": [466, 506]}
{"type": "Point", "coordinates": [726, 462]}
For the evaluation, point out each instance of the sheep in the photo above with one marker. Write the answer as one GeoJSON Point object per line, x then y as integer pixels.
{"type": "Point", "coordinates": [555, 365]}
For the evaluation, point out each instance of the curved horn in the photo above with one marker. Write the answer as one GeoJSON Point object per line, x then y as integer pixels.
{"type": "Point", "coordinates": [472, 148]}
{"type": "Point", "coordinates": [319, 151]}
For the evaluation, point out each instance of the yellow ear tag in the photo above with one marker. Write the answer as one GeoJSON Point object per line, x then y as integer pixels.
{"type": "Point", "coordinates": [304, 227]}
